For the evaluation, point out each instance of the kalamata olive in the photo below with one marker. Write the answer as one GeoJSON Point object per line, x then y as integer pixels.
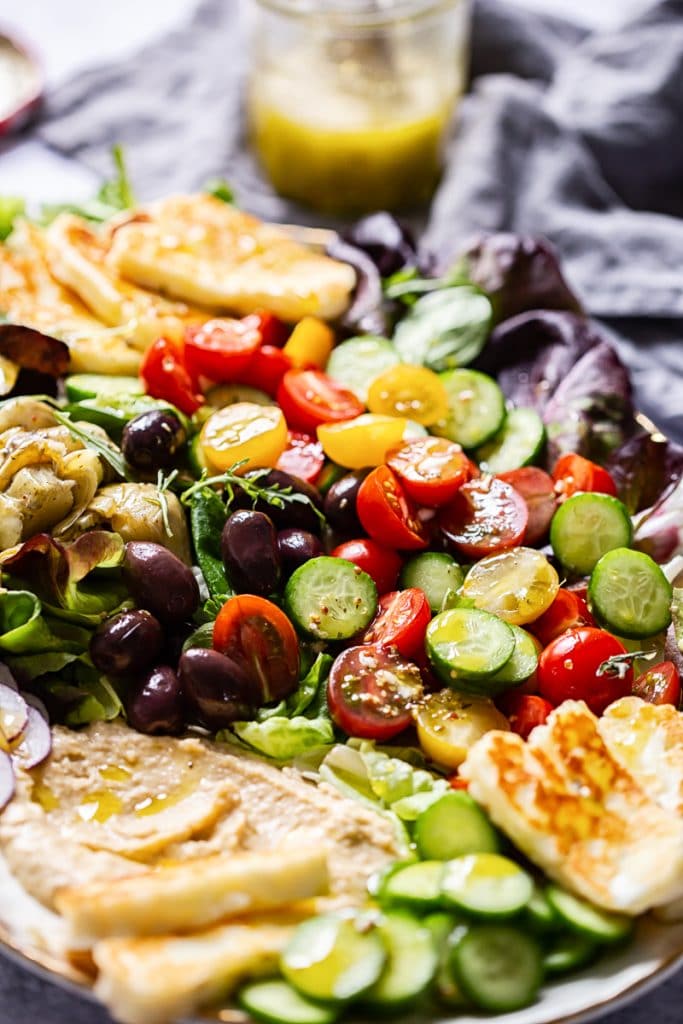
{"type": "Point", "coordinates": [155, 703]}
{"type": "Point", "coordinates": [175, 640]}
{"type": "Point", "coordinates": [250, 553]}
{"type": "Point", "coordinates": [160, 582]}
{"type": "Point", "coordinates": [296, 547]}
{"type": "Point", "coordinates": [293, 513]}
{"type": "Point", "coordinates": [218, 690]}
{"type": "Point", "coordinates": [129, 642]}
{"type": "Point", "coordinates": [340, 504]}
{"type": "Point", "coordinates": [152, 440]}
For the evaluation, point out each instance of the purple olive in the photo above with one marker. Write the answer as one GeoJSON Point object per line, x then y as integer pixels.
{"type": "Point", "coordinates": [129, 642]}
{"type": "Point", "coordinates": [293, 513]}
{"type": "Point", "coordinates": [155, 704]}
{"type": "Point", "coordinates": [296, 547]}
{"type": "Point", "coordinates": [151, 441]}
{"type": "Point", "coordinates": [250, 553]}
{"type": "Point", "coordinates": [340, 504]}
{"type": "Point", "coordinates": [160, 582]}
{"type": "Point", "coordinates": [218, 690]}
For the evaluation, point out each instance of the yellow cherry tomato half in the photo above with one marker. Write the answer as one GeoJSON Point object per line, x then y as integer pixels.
{"type": "Point", "coordinates": [245, 430]}
{"type": "Point", "coordinates": [516, 585]}
{"type": "Point", "coordinates": [362, 441]}
{"type": "Point", "coordinates": [411, 391]}
{"type": "Point", "coordinates": [449, 723]}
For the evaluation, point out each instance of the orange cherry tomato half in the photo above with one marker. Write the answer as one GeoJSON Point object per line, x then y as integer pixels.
{"type": "Point", "coordinates": [266, 369]}
{"type": "Point", "coordinates": [165, 376]}
{"type": "Point", "coordinates": [256, 634]}
{"type": "Point", "coordinates": [401, 621]}
{"type": "Point", "coordinates": [303, 457]}
{"type": "Point", "coordinates": [660, 684]}
{"type": "Point", "coordinates": [485, 516]}
{"type": "Point", "coordinates": [573, 667]}
{"type": "Point", "coordinates": [431, 469]}
{"type": "Point", "coordinates": [381, 564]}
{"type": "Point", "coordinates": [524, 711]}
{"type": "Point", "coordinates": [573, 473]}
{"type": "Point", "coordinates": [309, 398]}
{"type": "Point", "coordinates": [221, 349]}
{"type": "Point", "coordinates": [371, 692]}
{"type": "Point", "coordinates": [568, 611]}
{"type": "Point", "coordinates": [387, 513]}
{"type": "Point", "coordinates": [538, 490]}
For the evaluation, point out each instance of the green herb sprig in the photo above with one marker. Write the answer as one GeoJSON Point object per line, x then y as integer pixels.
{"type": "Point", "coordinates": [163, 485]}
{"type": "Point", "coordinates": [271, 494]}
{"type": "Point", "coordinates": [111, 455]}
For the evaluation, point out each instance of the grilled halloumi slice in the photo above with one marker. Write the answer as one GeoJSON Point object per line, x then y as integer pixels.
{"type": "Point", "coordinates": [204, 251]}
{"type": "Point", "coordinates": [573, 808]}
{"type": "Point", "coordinates": [30, 295]}
{"type": "Point", "coordinates": [77, 257]}
{"type": "Point", "coordinates": [155, 980]}
{"type": "Point", "coordinates": [193, 894]}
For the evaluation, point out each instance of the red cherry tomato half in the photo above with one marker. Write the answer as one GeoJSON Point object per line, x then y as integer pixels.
{"type": "Point", "coordinates": [380, 563]}
{"type": "Point", "coordinates": [221, 349]}
{"type": "Point", "coordinates": [257, 635]}
{"type": "Point", "coordinates": [266, 369]}
{"type": "Point", "coordinates": [524, 711]}
{"type": "Point", "coordinates": [273, 331]}
{"type": "Point", "coordinates": [165, 376]}
{"type": "Point", "coordinates": [568, 611]}
{"type": "Point", "coordinates": [574, 473]}
{"type": "Point", "coordinates": [371, 692]}
{"type": "Point", "coordinates": [401, 622]}
{"type": "Point", "coordinates": [387, 513]}
{"type": "Point", "coordinates": [661, 684]}
{"type": "Point", "coordinates": [303, 457]}
{"type": "Point", "coordinates": [572, 668]}
{"type": "Point", "coordinates": [538, 490]}
{"type": "Point", "coordinates": [486, 516]}
{"type": "Point", "coordinates": [309, 398]}
{"type": "Point", "coordinates": [431, 469]}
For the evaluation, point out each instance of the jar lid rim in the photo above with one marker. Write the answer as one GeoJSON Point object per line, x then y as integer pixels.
{"type": "Point", "coordinates": [358, 12]}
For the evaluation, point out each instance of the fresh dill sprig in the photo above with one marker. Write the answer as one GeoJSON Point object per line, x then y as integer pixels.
{"type": "Point", "coordinates": [271, 494]}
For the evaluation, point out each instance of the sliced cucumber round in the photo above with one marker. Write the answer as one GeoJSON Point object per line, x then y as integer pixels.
{"type": "Point", "coordinates": [276, 1002]}
{"type": "Point", "coordinates": [498, 967]}
{"type": "Point", "coordinates": [333, 958]}
{"type": "Point", "coordinates": [486, 884]}
{"type": "Point", "coordinates": [518, 443]}
{"type": "Point", "coordinates": [330, 598]}
{"type": "Point", "coordinates": [452, 826]}
{"type": "Point", "coordinates": [568, 951]}
{"type": "Point", "coordinates": [466, 643]}
{"type": "Point", "coordinates": [476, 408]}
{"type": "Point", "coordinates": [630, 595]}
{"type": "Point", "coordinates": [435, 573]}
{"type": "Point", "coordinates": [521, 666]}
{"type": "Point", "coordinates": [586, 527]}
{"type": "Point", "coordinates": [100, 385]}
{"type": "Point", "coordinates": [357, 362]}
{"type": "Point", "coordinates": [416, 885]}
{"type": "Point", "coordinates": [539, 913]}
{"type": "Point", "coordinates": [446, 930]}
{"type": "Point", "coordinates": [581, 916]}
{"type": "Point", "coordinates": [411, 964]}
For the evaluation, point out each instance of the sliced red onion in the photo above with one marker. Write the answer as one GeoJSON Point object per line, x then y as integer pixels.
{"type": "Point", "coordinates": [13, 713]}
{"type": "Point", "coordinates": [36, 702]}
{"type": "Point", "coordinates": [6, 779]}
{"type": "Point", "coordinates": [36, 742]}
{"type": "Point", "coordinates": [6, 677]}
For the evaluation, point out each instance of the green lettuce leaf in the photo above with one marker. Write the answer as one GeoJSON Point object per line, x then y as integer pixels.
{"type": "Point", "coordinates": [26, 629]}
{"type": "Point", "coordinates": [82, 694]}
{"type": "Point", "coordinates": [11, 207]}
{"type": "Point", "coordinates": [207, 519]}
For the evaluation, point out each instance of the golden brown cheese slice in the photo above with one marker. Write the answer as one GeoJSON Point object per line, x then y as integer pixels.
{"type": "Point", "coordinates": [77, 256]}
{"type": "Point", "coordinates": [578, 813]}
{"type": "Point", "coordinates": [30, 295]}
{"type": "Point", "coordinates": [207, 252]}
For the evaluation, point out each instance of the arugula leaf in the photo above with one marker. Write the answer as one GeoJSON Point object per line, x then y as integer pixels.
{"type": "Point", "coordinates": [207, 519]}
{"type": "Point", "coordinates": [445, 328]}
{"type": "Point", "coordinates": [220, 189]}
{"type": "Point", "coordinates": [11, 207]}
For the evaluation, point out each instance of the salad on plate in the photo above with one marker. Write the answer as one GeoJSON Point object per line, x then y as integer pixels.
{"type": "Point", "coordinates": [340, 618]}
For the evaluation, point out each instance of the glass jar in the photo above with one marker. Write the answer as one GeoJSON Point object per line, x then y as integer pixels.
{"type": "Point", "coordinates": [350, 100]}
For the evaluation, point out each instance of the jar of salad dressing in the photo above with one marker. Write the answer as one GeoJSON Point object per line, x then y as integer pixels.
{"type": "Point", "coordinates": [350, 100]}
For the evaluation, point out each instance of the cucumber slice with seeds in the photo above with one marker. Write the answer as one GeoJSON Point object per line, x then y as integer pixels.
{"type": "Point", "coordinates": [476, 408]}
{"type": "Point", "coordinates": [583, 917]}
{"type": "Point", "coordinates": [435, 573]}
{"type": "Point", "coordinates": [518, 442]}
{"type": "Point", "coordinates": [411, 964]}
{"type": "Point", "coordinates": [276, 1002]}
{"type": "Point", "coordinates": [333, 958]}
{"type": "Point", "coordinates": [498, 967]}
{"type": "Point", "coordinates": [452, 826]}
{"type": "Point", "coordinates": [357, 362]}
{"type": "Point", "coordinates": [416, 885]}
{"type": "Point", "coordinates": [487, 885]}
{"type": "Point", "coordinates": [466, 643]}
{"type": "Point", "coordinates": [100, 385]}
{"type": "Point", "coordinates": [330, 598]}
{"type": "Point", "coordinates": [586, 527]}
{"type": "Point", "coordinates": [630, 595]}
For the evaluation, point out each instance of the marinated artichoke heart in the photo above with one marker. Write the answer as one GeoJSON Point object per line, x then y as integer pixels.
{"type": "Point", "coordinates": [139, 512]}
{"type": "Point", "coordinates": [47, 476]}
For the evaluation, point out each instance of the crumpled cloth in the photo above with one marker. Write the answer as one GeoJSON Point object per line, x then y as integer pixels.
{"type": "Point", "coordinates": [566, 133]}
